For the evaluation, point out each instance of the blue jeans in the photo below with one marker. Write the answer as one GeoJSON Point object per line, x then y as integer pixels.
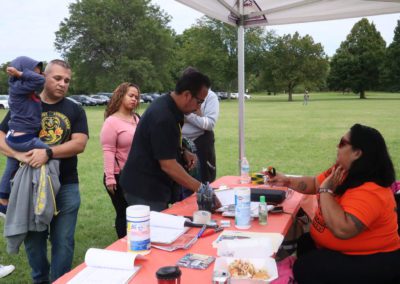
{"type": "Point", "coordinates": [62, 230]}
{"type": "Point", "coordinates": [12, 164]}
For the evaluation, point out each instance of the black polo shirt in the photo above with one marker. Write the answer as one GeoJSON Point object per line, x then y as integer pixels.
{"type": "Point", "coordinates": [157, 137]}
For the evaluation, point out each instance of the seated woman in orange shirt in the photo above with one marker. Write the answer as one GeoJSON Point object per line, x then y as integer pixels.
{"type": "Point", "coordinates": [353, 237]}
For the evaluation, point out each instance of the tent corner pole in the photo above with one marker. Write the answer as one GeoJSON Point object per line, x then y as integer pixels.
{"type": "Point", "coordinates": [241, 84]}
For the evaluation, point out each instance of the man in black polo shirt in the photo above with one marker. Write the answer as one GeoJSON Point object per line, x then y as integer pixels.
{"type": "Point", "coordinates": [153, 164]}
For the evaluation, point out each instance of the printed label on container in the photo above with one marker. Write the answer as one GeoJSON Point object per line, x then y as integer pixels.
{"type": "Point", "coordinates": [138, 236]}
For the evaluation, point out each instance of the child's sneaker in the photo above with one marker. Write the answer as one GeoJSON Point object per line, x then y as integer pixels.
{"type": "Point", "coordinates": [3, 210]}
{"type": "Point", "coordinates": [5, 270]}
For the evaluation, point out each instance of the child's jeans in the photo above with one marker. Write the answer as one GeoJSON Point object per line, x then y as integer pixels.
{"type": "Point", "coordinates": [21, 143]}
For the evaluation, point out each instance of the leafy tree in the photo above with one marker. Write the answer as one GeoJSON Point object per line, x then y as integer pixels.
{"type": "Point", "coordinates": [294, 60]}
{"type": "Point", "coordinates": [4, 78]}
{"type": "Point", "coordinates": [391, 71]}
{"type": "Point", "coordinates": [358, 60]}
{"type": "Point", "coordinates": [109, 42]}
{"type": "Point", "coordinates": [337, 79]}
{"type": "Point", "coordinates": [211, 46]}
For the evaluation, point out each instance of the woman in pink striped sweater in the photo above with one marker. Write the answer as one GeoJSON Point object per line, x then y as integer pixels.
{"type": "Point", "coordinates": [116, 138]}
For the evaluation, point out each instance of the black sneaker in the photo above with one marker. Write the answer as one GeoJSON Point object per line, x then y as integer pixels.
{"type": "Point", "coordinates": [3, 210]}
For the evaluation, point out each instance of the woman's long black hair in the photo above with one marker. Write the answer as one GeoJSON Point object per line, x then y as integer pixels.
{"type": "Point", "coordinates": [374, 164]}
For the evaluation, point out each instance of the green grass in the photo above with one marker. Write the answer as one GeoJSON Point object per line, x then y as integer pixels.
{"type": "Point", "coordinates": [294, 138]}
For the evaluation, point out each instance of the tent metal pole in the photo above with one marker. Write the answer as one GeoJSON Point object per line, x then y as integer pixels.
{"type": "Point", "coordinates": [241, 83]}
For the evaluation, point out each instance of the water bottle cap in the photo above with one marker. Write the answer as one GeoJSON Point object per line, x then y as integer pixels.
{"type": "Point", "coordinates": [262, 198]}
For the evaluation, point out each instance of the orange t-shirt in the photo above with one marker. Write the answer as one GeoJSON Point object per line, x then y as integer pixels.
{"type": "Point", "coordinates": [375, 207]}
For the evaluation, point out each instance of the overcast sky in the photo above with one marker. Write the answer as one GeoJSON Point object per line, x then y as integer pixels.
{"type": "Point", "coordinates": [27, 27]}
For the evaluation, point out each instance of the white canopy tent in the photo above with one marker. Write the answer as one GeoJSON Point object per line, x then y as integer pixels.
{"type": "Point", "coordinates": [250, 13]}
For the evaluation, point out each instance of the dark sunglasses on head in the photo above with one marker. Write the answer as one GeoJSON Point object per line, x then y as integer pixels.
{"type": "Point", "coordinates": [343, 142]}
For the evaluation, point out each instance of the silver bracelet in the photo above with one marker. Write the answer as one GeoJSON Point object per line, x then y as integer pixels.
{"type": "Point", "coordinates": [325, 190]}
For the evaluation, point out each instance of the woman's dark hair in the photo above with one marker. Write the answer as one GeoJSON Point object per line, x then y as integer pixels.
{"type": "Point", "coordinates": [374, 164]}
{"type": "Point", "coordinates": [116, 99]}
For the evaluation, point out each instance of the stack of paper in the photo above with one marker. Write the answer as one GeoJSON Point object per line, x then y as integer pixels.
{"type": "Point", "coordinates": [166, 228]}
{"type": "Point", "coordinates": [107, 267]}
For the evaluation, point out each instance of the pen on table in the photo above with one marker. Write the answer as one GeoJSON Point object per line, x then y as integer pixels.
{"type": "Point", "coordinates": [201, 231]}
{"type": "Point", "coordinates": [189, 244]}
{"type": "Point", "coordinates": [211, 232]}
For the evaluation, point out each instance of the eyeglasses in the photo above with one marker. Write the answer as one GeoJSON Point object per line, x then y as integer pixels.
{"type": "Point", "coordinates": [199, 101]}
{"type": "Point", "coordinates": [343, 142]}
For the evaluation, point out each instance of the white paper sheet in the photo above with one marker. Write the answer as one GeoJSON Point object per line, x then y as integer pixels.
{"type": "Point", "coordinates": [158, 219]}
{"type": "Point", "coordinates": [166, 228]}
{"type": "Point", "coordinates": [226, 196]}
{"type": "Point", "coordinates": [254, 248]}
{"type": "Point", "coordinates": [107, 267]}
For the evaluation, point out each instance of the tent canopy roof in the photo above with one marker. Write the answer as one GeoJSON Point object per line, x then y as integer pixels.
{"type": "Point", "coordinates": [279, 12]}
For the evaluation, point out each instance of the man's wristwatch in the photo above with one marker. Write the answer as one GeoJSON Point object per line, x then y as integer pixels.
{"type": "Point", "coordinates": [325, 190]}
{"type": "Point", "coordinates": [49, 153]}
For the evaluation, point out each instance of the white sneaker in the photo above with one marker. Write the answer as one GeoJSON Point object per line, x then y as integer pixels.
{"type": "Point", "coordinates": [5, 270]}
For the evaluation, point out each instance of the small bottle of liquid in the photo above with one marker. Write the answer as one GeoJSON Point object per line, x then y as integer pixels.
{"type": "Point", "coordinates": [262, 211]}
{"type": "Point", "coordinates": [244, 171]}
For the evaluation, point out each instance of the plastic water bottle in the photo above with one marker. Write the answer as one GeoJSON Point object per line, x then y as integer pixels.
{"type": "Point", "coordinates": [262, 211]}
{"type": "Point", "coordinates": [244, 171]}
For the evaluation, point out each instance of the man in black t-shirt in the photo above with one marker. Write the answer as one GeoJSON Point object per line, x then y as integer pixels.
{"type": "Point", "coordinates": [65, 130]}
{"type": "Point", "coordinates": [153, 163]}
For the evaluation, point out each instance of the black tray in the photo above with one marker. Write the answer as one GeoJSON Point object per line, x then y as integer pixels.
{"type": "Point", "coordinates": [272, 196]}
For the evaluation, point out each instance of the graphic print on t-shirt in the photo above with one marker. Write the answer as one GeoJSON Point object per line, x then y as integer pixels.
{"type": "Point", "coordinates": [56, 128]}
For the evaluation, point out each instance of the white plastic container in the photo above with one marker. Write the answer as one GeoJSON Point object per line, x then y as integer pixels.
{"type": "Point", "coordinates": [242, 208]}
{"type": "Point", "coordinates": [138, 229]}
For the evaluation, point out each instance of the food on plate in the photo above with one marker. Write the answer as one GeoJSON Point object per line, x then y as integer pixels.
{"type": "Point", "coordinates": [246, 270]}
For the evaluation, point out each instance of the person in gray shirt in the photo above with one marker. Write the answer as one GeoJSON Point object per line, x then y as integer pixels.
{"type": "Point", "coordinates": [199, 127]}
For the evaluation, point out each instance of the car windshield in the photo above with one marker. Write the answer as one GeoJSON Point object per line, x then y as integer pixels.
{"type": "Point", "coordinates": [3, 97]}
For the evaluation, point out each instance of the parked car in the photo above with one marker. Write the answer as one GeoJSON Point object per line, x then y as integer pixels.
{"type": "Point", "coordinates": [105, 94]}
{"type": "Point", "coordinates": [100, 99]}
{"type": "Point", "coordinates": [74, 101]}
{"type": "Point", "coordinates": [236, 96]}
{"type": "Point", "coordinates": [4, 102]}
{"type": "Point", "coordinates": [95, 102]}
{"type": "Point", "coordinates": [147, 98]}
{"type": "Point", "coordinates": [222, 95]}
{"type": "Point", "coordinates": [84, 100]}
{"type": "Point", "coordinates": [154, 95]}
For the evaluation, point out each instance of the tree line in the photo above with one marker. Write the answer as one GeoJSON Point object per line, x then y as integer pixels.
{"type": "Point", "coordinates": [109, 42]}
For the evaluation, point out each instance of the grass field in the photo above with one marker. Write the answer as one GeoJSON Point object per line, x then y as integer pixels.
{"type": "Point", "coordinates": [294, 138]}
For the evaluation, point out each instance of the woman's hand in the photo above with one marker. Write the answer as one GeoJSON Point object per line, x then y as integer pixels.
{"type": "Point", "coordinates": [335, 178]}
{"type": "Point", "coordinates": [112, 188]}
{"type": "Point", "coordinates": [279, 179]}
